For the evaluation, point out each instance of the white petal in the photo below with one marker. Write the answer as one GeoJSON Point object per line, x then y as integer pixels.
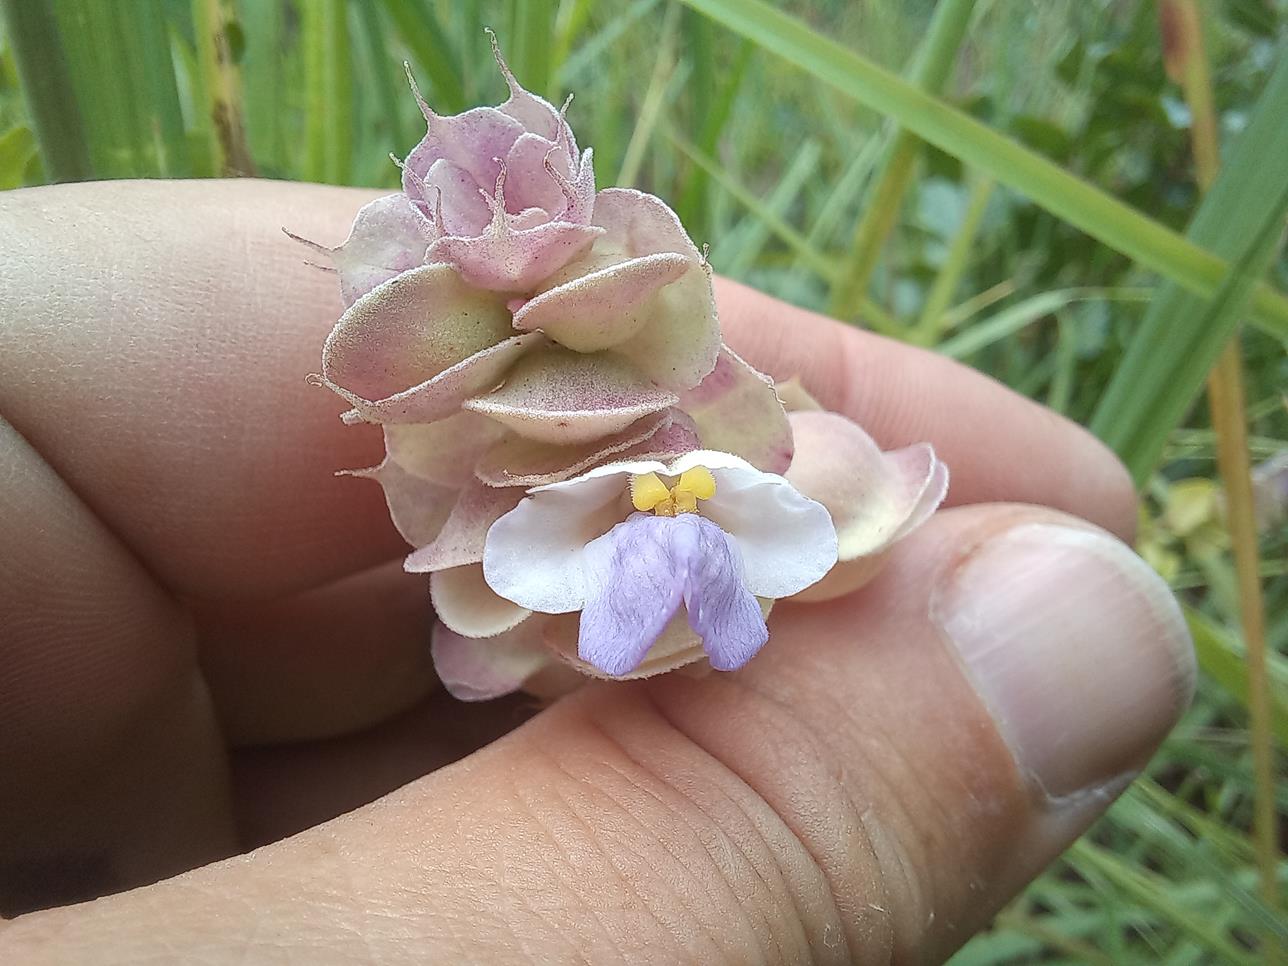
{"type": "Point", "coordinates": [532, 555]}
{"type": "Point", "coordinates": [711, 459]}
{"type": "Point", "coordinates": [787, 540]}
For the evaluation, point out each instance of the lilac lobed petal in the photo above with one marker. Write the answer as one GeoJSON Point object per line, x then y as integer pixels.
{"type": "Point", "coordinates": [737, 411]}
{"type": "Point", "coordinates": [632, 592]}
{"type": "Point", "coordinates": [638, 574]}
{"type": "Point", "coordinates": [562, 397]}
{"type": "Point", "coordinates": [532, 553]}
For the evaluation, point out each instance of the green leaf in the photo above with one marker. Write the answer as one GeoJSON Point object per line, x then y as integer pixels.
{"type": "Point", "coordinates": [1086, 207]}
{"type": "Point", "coordinates": [118, 58]}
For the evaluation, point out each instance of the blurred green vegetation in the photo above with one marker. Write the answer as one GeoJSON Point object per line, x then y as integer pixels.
{"type": "Point", "coordinates": [773, 153]}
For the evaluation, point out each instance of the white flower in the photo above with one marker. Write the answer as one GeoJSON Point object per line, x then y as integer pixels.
{"type": "Point", "coordinates": [627, 544]}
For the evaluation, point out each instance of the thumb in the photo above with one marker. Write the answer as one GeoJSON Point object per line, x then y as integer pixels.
{"type": "Point", "coordinates": [872, 788]}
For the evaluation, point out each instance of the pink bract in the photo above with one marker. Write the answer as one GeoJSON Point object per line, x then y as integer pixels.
{"type": "Point", "coordinates": [504, 193]}
{"type": "Point", "coordinates": [876, 498]}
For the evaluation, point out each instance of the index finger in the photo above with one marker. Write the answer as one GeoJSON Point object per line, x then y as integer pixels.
{"type": "Point", "coordinates": [157, 336]}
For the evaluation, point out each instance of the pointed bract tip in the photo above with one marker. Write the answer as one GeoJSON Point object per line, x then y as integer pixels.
{"type": "Point", "coordinates": [426, 111]}
{"type": "Point", "coordinates": [510, 80]}
{"type": "Point", "coordinates": [307, 242]}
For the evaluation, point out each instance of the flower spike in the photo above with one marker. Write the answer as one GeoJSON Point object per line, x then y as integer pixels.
{"type": "Point", "coordinates": [592, 481]}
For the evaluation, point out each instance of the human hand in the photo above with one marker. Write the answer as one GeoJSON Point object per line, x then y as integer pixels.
{"type": "Point", "coordinates": [184, 582]}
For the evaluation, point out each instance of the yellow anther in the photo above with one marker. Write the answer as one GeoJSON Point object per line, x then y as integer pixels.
{"type": "Point", "coordinates": [699, 482]}
{"type": "Point", "coordinates": [648, 492]}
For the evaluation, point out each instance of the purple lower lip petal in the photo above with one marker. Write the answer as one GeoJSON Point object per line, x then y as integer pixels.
{"type": "Point", "coordinates": [720, 608]}
{"type": "Point", "coordinates": [639, 573]}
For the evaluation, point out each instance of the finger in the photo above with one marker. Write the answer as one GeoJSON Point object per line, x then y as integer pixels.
{"type": "Point", "coordinates": [113, 768]}
{"type": "Point", "coordinates": [998, 445]}
{"type": "Point", "coordinates": [324, 662]}
{"type": "Point", "coordinates": [283, 790]}
{"type": "Point", "coordinates": [155, 350]}
{"type": "Point", "coordinates": [871, 789]}
{"type": "Point", "coordinates": [189, 322]}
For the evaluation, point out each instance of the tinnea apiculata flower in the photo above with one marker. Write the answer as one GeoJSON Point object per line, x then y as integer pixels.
{"type": "Point", "coordinates": [539, 356]}
{"type": "Point", "coordinates": [629, 544]}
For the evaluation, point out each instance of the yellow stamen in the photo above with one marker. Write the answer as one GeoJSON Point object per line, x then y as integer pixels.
{"type": "Point", "coordinates": [685, 501]}
{"type": "Point", "coordinates": [698, 481]}
{"type": "Point", "coordinates": [648, 492]}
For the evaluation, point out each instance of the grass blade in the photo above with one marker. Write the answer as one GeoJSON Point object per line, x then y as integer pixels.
{"type": "Point", "coordinates": [929, 73]}
{"type": "Point", "coordinates": [1015, 317]}
{"type": "Point", "coordinates": [46, 84]}
{"type": "Point", "coordinates": [17, 146]}
{"type": "Point", "coordinates": [214, 22]}
{"type": "Point", "coordinates": [1177, 344]}
{"type": "Point", "coordinates": [930, 326]}
{"type": "Point", "coordinates": [1187, 62]}
{"type": "Point", "coordinates": [1084, 206]}
{"type": "Point", "coordinates": [1222, 659]}
{"type": "Point", "coordinates": [1145, 889]}
{"type": "Point", "coordinates": [433, 55]}
{"type": "Point", "coordinates": [532, 25]}
{"type": "Point", "coordinates": [268, 92]}
{"type": "Point", "coordinates": [329, 83]}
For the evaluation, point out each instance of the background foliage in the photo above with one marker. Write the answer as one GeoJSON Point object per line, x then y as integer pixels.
{"type": "Point", "coordinates": [782, 150]}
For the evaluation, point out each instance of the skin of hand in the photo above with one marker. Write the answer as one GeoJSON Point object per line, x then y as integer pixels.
{"type": "Point", "coordinates": [208, 645]}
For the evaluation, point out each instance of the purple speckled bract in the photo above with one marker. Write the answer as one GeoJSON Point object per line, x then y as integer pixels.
{"type": "Point", "coordinates": [639, 573]}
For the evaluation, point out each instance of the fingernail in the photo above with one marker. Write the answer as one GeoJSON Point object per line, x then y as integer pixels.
{"type": "Point", "coordinates": [1077, 648]}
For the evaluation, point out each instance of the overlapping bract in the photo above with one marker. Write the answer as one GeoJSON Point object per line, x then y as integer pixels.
{"type": "Point", "coordinates": [509, 327]}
